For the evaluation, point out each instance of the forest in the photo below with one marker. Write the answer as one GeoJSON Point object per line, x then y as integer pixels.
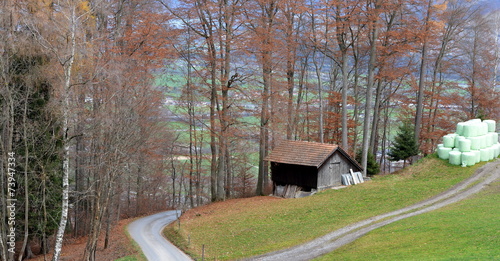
{"type": "Point", "coordinates": [116, 108]}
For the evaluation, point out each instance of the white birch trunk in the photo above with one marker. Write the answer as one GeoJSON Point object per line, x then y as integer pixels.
{"type": "Point", "coordinates": [67, 84]}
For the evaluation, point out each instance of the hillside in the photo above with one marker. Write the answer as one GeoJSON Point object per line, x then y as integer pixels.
{"type": "Point", "coordinates": [247, 227]}
{"type": "Point", "coordinates": [467, 230]}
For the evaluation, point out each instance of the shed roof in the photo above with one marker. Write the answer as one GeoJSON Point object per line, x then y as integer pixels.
{"type": "Point", "coordinates": [303, 153]}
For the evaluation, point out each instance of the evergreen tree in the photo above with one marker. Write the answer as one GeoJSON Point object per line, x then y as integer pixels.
{"type": "Point", "coordinates": [372, 166]}
{"type": "Point", "coordinates": [37, 149]}
{"type": "Point", "coordinates": [404, 145]}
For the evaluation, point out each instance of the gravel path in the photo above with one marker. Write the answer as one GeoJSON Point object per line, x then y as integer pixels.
{"type": "Point", "coordinates": [147, 231]}
{"type": "Point", "coordinates": [328, 243]}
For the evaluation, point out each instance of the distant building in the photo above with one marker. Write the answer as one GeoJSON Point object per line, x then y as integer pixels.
{"type": "Point", "coordinates": [299, 167]}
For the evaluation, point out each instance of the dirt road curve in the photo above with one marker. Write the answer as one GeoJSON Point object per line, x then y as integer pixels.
{"type": "Point", "coordinates": [147, 233]}
{"type": "Point", "coordinates": [328, 243]}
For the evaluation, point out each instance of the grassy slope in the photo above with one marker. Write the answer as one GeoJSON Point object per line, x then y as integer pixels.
{"type": "Point", "coordinates": [245, 227]}
{"type": "Point", "coordinates": [467, 230]}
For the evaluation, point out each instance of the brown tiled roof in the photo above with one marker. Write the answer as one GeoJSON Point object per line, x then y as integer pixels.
{"type": "Point", "coordinates": [302, 153]}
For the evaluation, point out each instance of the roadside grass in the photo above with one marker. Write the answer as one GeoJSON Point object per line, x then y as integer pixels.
{"type": "Point", "coordinates": [242, 228]}
{"type": "Point", "coordinates": [466, 230]}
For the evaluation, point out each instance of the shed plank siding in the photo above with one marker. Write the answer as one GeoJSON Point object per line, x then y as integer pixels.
{"type": "Point", "coordinates": [302, 176]}
{"type": "Point", "coordinates": [330, 172]}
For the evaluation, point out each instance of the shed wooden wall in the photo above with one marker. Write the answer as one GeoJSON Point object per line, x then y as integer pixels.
{"type": "Point", "coordinates": [329, 174]}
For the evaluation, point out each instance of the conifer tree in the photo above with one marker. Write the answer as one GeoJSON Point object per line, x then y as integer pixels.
{"type": "Point", "coordinates": [372, 166]}
{"type": "Point", "coordinates": [404, 145]}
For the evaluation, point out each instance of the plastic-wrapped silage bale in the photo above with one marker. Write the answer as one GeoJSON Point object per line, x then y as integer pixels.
{"type": "Point", "coordinates": [444, 153]}
{"type": "Point", "coordinates": [491, 152]}
{"type": "Point", "coordinates": [455, 158]}
{"type": "Point", "coordinates": [460, 128]}
{"type": "Point", "coordinates": [485, 154]}
{"type": "Point", "coordinates": [469, 130]}
{"type": "Point", "coordinates": [477, 154]}
{"type": "Point", "coordinates": [493, 149]}
{"type": "Point", "coordinates": [496, 147]}
{"type": "Point", "coordinates": [483, 128]}
{"type": "Point", "coordinates": [457, 140]}
{"type": "Point", "coordinates": [449, 141]}
{"type": "Point", "coordinates": [491, 125]}
{"type": "Point", "coordinates": [475, 143]}
{"type": "Point", "coordinates": [493, 138]}
{"type": "Point", "coordinates": [464, 145]}
{"type": "Point", "coordinates": [488, 140]}
{"type": "Point", "coordinates": [484, 141]}
{"type": "Point", "coordinates": [468, 158]}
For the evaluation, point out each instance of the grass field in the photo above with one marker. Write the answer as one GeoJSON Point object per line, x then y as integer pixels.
{"type": "Point", "coordinates": [467, 230]}
{"type": "Point", "coordinates": [245, 227]}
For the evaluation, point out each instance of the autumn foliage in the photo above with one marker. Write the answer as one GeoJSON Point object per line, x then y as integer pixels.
{"type": "Point", "coordinates": [162, 104]}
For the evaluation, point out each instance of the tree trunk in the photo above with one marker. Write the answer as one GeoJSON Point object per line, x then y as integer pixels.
{"type": "Point", "coordinates": [66, 140]}
{"type": "Point", "coordinates": [264, 119]}
{"type": "Point", "coordinates": [345, 130]}
{"type": "Point", "coordinates": [268, 21]}
{"type": "Point", "coordinates": [421, 82]}
{"type": "Point", "coordinates": [374, 137]}
{"type": "Point", "coordinates": [317, 69]}
{"type": "Point", "coordinates": [213, 149]}
{"type": "Point", "coordinates": [369, 88]}
{"type": "Point", "coordinates": [26, 187]}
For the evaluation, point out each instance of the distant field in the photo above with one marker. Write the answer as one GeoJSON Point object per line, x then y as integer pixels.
{"type": "Point", "coordinates": [245, 227]}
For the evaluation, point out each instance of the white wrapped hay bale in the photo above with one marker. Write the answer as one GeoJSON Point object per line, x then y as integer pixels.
{"type": "Point", "coordinates": [482, 142]}
{"type": "Point", "coordinates": [468, 158]}
{"type": "Point", "coordinates": [491, 125]}
{"type": "Point", "coordinates": [485, 154]}
{"type": "Point", "coordinates": [464, 145]}
{"type": "Point", "coordinates": [469, 130]}
{"type": "Point", "coordinates": [493, 138]}
{"type": "Point", "coordinates": [444, 153]}
{"type": "Point", "coordinates": [485, 142]}
{"type": "Point", "coordinates": [483, 128]}
{"type": "Point", "coordinates": [455, 158]}
{"type": "Point", "coordinates": [460, 128]}
{"type": "Point", "coordinates": [477, 154]}
{"type": "Point", "coordinates": [491, 153]}
{"type": "Point", "coordinates": [475, 143]}
{"type": "Point", "coordinates": [457, 141]}
{"type": "Point", "coordinates": [496, 147]}
{"type": "Point", "coordinates": [449, 141]}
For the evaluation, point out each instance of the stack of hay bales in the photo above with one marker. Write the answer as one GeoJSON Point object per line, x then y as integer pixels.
{"type": "Point", "coordinates": [474, 141]}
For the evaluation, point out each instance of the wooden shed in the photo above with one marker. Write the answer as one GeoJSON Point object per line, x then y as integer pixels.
{"type": "Point", "coordinates": [308, 166]}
